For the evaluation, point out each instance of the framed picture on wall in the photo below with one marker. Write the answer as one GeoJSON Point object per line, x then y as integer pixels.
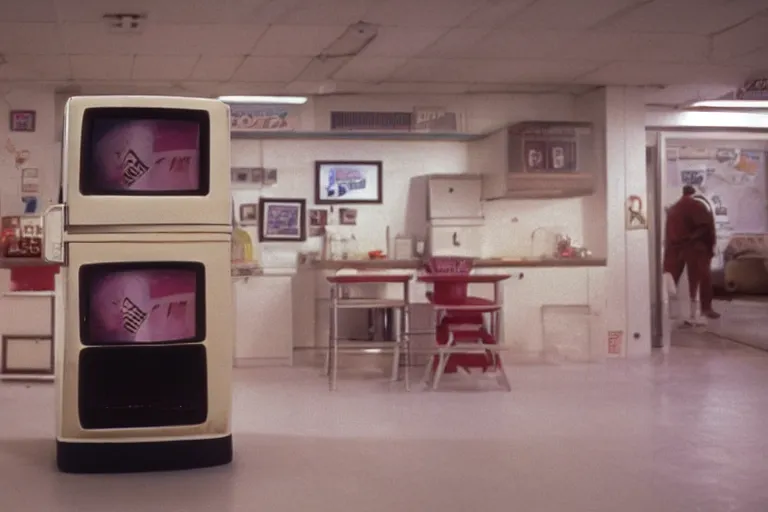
{"type": "Point", "coordinates": [282, 220]}
{"type": "Point", "coordinates": [249, 214]}
{"type": "Point", "coordinates": [348, 182]}
{"type": "Point", "coordinates": [23, 120]}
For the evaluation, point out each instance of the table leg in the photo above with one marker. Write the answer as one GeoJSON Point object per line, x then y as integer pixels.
{"type": "Point", "coordinates": [428, 376]}
{"type": "Point", "coordinates": [334, 341]}
{"type": "Point", "coordinates": [498, 323]}
{"type": "Point", "coordinates": [330, 334]}
{"type": "Point", "coordinates": [396, 354]}
{"type": "Point", "coordinates": [405, 330]}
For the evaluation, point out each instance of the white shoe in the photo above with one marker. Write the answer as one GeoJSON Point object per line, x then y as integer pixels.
{"type": "Point", "coordinates": [696, 319]}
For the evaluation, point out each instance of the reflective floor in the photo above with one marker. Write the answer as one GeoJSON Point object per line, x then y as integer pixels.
{"type": "Point", "coordinates": [681, 433]}
{"type": "Point", "coordinates": [743, 320]}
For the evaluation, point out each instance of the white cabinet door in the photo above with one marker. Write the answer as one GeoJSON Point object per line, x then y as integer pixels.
{"type": "Point", "coordinates": [27, 355]}
{"type": "Point", "coordinates": [455, 198]}
{"type": "Point", "coordinates": [264, 321]}
{"type": "Point", "coordinates": [456, 241]}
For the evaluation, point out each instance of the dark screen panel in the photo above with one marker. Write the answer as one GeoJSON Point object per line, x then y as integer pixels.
{"type": "Point", "coordinates": [135, 387]}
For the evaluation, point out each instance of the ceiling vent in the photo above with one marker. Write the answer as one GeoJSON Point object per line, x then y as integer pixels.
{"type": "Point", "coordinates": [125, 23]}
{"type": "Point", "coordinates": [371, 121]}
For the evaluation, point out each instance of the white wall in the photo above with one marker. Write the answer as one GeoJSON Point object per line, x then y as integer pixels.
{"type": "Point", "coordinates": [43, 155]}
{"type": "Point", "coordinates": [40, 144]}
{"type": "Point", "coordinates": [404, 206]}
{"type": "Point", "coordinates": [619, 112]}
{"type": "Point", "coordinates": [509, 224]}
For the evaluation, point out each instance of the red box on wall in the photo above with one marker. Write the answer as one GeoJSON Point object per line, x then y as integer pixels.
{"type": "Point", "coordinates": [38, 278]}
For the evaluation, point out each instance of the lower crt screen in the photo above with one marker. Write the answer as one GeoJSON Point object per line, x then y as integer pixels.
{"type": "Point", "coordinates": [141, 386]}
{"type": "Point", "coordinates": [146, 305]}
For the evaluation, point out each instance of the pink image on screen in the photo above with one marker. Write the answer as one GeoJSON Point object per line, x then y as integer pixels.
{"type": "Point", "coordinates": [142, 306]}
{"type": "Point", "coordinates": [147, 155]}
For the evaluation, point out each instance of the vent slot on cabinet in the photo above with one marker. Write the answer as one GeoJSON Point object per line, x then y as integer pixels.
{"type": "Point", "coordinates": [371, 121]}
{"type": "Point", "coordinates": [135, 387]}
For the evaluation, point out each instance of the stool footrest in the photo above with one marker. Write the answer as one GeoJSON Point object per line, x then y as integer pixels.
{"type": "Point", "coordinates": [469, 348]}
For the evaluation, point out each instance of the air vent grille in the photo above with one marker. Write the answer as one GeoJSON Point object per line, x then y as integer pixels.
{"type": "Point", "coordinates": [371, 121]}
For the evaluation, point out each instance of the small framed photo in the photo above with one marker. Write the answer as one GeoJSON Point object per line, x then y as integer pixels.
{"type": "Point", "coordinates": [348, 182]}
{"type": "Point", "coordinates": [270, 177]}
{"type": "Point", "coordinates": [249, 214]}
{"type": "Point", "coordinates": [22, 120]}
{"type": "Point", "coordinates": [318, 219]}
{"type": "Point", "coordinates": [348, 216]}
{"type": "Point", "coordinates": [257, 175]}
{"type": "Point", "coordinates": [282, 220]}
{"type": "Point", "coordinates": [241, 175]}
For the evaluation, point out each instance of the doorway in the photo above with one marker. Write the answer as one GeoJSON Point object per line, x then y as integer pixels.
{"type": "Point", "coordinates": [728, 170]}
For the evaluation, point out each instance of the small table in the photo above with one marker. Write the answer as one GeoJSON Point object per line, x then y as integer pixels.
{"type": "Point", "coordinates": [444, 301]}
{"type": "Point", "coordinates": [397, 346]}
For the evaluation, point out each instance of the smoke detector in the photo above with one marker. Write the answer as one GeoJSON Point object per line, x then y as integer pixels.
{"type": "Point", "coordinates": [125, 23]}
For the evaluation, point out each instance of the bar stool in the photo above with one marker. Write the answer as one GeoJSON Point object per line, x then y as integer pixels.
{"type": "Point", "coordinates": [337, 345]}
{"type": "Point", "coordinates": [464, 339]}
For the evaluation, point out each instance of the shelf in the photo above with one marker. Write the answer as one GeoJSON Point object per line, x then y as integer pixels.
{"type": "Point", "coordinates": [369, 303]}
{"type": "Point", "coordinates": [30, 294]}
{"type": "Point", "coordinates": [367, 345]}
{"type": "Point", "coordinates": [25, 262]}
{"type": "Point", "coordinates": [343, 135]}
{"type": "Point", "coordinates": [22, 377]}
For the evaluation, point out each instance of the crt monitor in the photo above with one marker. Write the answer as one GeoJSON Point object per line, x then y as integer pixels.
{"type": "Point", "coordinates": [146, 161]}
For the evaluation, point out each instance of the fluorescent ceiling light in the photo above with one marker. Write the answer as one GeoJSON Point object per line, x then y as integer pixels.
{"type": "Point", "coordinates": [289, 100]}
{"type": "Point", "coordinates": [730, 104]}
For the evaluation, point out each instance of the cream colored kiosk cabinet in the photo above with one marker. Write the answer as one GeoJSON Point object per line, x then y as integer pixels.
{"type": "Point", "coordinates": [144, 312]}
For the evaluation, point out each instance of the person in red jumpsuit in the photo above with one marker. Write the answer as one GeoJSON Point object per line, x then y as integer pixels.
{"type": "Point", "coordinates": [690, 244]}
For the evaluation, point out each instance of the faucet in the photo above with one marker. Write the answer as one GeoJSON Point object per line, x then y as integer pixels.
{"type": "Point", "coordinates": [533, 236]}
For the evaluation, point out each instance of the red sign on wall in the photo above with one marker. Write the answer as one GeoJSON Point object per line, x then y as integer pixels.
{"type": "Point", "coordinates": [615, 342]}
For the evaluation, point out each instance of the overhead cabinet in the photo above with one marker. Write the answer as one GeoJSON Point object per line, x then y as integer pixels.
{"type": "Point", "coordinates": [536, 160]}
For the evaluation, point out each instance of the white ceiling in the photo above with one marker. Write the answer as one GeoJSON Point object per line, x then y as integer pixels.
{"type": "Point", "coordinates": [447, 46]}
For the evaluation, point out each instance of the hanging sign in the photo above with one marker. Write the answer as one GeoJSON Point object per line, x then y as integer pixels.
{"type": "Point", "coordinates": [434, 120]}
{"type": "Point", "coordinates": [264, 118]}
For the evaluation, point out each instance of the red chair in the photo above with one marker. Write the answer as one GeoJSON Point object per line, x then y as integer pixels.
{"type": "Point", "coordinates": [460, 326]}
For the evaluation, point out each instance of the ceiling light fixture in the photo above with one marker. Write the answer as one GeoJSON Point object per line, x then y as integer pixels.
{"type": "Point", "coordinates": [279, 100]}
{"type": "Point", "coordinates": [731, 104]}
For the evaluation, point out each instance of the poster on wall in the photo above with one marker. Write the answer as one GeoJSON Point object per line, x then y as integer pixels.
{"type": "Point", "coordinates": [434, 119]}
{"type": "Point", "coordinates": [636, 215]}
{"type": "Point", "coordinates": [348, 182]}
{"type": "Point", "coordinates": [30, 181]}
{"type": "Point", "coordinates": [615, 342]}
{"type": "Point", "coordinates": [729, 180]}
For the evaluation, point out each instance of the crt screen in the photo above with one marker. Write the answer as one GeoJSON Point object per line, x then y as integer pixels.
{"type": "Point", "coordinates": [141, 305]}
{"type": "Point", "coordinates": [131, 155]}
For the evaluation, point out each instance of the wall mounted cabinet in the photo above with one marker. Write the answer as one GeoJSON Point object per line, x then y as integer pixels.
{"type": "Point", "coordinates": [455, 197]}
{"type": "Point", "coordinates": [536, 160]}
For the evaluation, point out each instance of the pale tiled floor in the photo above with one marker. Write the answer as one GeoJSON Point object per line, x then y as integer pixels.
{"type": "Point", "coordinates": [682, 433]}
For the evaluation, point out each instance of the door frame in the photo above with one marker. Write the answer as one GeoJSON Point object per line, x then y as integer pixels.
{"type": "Point", "coordinates": [656, 179]}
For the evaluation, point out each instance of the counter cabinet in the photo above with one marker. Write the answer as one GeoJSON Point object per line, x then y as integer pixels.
{"type": "Point", "coordinates": [572, 297]}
